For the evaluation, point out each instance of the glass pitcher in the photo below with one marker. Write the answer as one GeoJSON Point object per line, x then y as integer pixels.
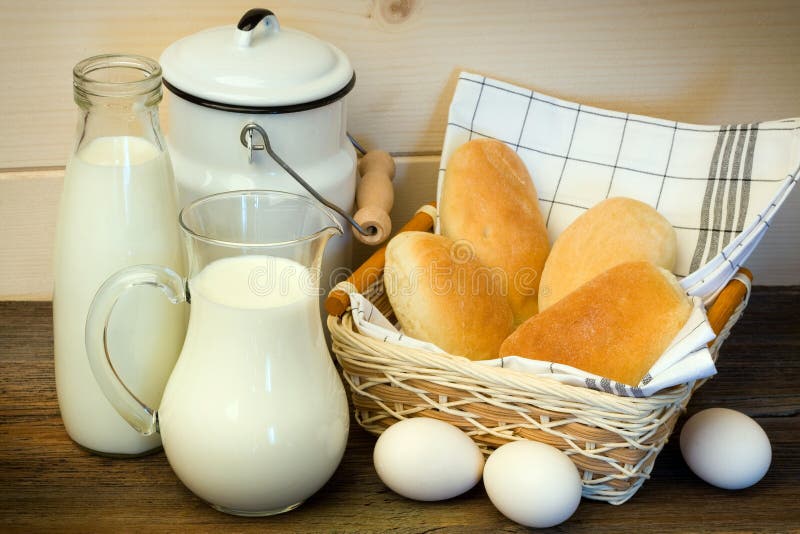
{"type": "Point", "coordinates": [254, 417]}
{"type": "Point", "coordinates": [117, 209]}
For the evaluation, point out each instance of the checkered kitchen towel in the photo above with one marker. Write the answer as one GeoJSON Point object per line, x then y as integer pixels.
{"type": "Point", "coordinates": [719, 186]}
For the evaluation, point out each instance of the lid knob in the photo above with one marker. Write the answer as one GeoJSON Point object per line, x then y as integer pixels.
{"type": "Point", "coordinates": [250, 20]}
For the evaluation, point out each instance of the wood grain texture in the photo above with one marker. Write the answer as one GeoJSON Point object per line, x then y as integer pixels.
{"type": "Point", "coordinates": [29, 205]}
{"type": "Point", "coordinates": [47, 483]}
{"type": "Point", "coordinates": [717, 61]}
{"type": "Point", "coordinates": [28, 211]}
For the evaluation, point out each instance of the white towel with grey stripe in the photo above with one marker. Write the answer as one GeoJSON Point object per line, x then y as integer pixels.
{"type": "Point", "coordinates": [719, 186]}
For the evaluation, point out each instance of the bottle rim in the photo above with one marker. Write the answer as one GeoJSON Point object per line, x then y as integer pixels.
{"type": "Point", "coordinates": [117, 75]}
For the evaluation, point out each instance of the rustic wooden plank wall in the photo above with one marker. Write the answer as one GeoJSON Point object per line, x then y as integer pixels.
{"type": "Point", "coordinates": [706, 62]}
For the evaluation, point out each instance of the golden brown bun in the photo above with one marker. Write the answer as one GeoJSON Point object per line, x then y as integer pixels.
{"type": "Point", "coordinates": [445, 298]}
{"type": "Point", "coordinates": [616, 325]}
{"type": "Point", "coordinates": [489, 201]}
{"type": "Point", "coordinates": [614, 231]}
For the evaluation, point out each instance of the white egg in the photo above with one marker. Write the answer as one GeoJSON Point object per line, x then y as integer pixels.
{"type": "Point", "coordinates": [427, 459]}
{"type": "Point", "coordinates": [532, 483]}
{"type": "Point", "coordinates": [725, 448]}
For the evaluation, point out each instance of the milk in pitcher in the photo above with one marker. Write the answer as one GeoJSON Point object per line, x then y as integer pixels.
{"type": "Point", "coordinates": [254, 419]}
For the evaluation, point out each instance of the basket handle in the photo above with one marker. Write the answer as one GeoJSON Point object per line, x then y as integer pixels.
{"type": "Point", "coordinates": [371, 270]}
{"type": "Point", "coordinates": [728, 300]}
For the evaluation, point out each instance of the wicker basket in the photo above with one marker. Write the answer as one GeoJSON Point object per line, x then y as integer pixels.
{"type": "Point", "coordinates": [612, 440]}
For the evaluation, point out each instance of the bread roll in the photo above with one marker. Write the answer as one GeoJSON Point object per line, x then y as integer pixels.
{"type": "Point", "coordinates": [489, 201]}
{"type": "Point", "coordinates": [614, 231]}
{"type": "Point", "coordinates": [616, 325]}
{"type": "Point", "coordinates": [445, 298]}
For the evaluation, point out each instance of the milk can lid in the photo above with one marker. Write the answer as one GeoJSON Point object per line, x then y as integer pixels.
{"type": "Point", "coordinates": [256, 67]}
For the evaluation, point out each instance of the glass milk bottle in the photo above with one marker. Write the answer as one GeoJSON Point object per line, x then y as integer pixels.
{"type": "Point", "coordinates": [117, 209]}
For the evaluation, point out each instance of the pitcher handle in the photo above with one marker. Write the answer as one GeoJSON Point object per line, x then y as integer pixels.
{"type": "Point", "coordinates": [139, 415]}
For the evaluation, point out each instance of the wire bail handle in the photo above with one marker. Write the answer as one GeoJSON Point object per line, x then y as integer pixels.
{"type": "Point", "coordinates": [246, 138]}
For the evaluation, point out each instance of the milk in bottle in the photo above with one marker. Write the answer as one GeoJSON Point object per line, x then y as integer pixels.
{"type": "Point", "coordinates": [117, 209]}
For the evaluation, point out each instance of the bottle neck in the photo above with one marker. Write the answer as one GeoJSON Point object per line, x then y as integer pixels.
{"type": "Point", "coordinates": [118, 95]}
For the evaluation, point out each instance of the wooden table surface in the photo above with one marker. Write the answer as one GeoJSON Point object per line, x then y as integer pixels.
{"type": "Point", "coordinates": [47, 483]}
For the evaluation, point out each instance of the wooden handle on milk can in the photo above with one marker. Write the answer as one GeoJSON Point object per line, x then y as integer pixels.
{"type": "Point", "coordinates": [375, 196]}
